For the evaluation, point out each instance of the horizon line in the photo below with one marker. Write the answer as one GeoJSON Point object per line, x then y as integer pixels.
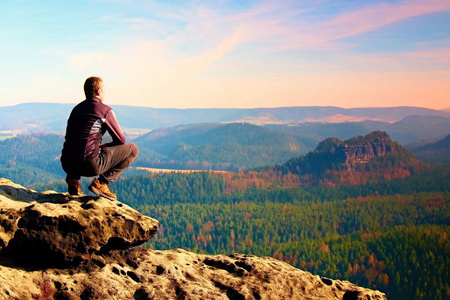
{"type": "Point", "coordinates": [236, 108]}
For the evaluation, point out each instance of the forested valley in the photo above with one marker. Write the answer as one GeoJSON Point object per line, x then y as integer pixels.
{"type": "Point", "coordinates": [391, 235]}
{"type": "Point", "coordinates": [364, 210]}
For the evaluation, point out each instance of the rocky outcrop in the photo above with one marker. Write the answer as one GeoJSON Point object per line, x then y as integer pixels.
{"type": "Point", "coordinates": [55, 229]}
{"type": "Point", "coordinates": [355, 152]}
{"type": "Point", "coordinates": [84, 236]}
{"type": "Point", "coordinates": [358, 150]}
{"type": "Point", "coordinates": [176, 274]}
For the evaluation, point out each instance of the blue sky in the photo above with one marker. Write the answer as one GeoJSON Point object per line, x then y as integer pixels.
{"type": "Point", "coordinates": [228, 53]}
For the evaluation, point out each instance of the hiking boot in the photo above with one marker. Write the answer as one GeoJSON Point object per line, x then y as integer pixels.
{"type": "Point", "coordinates": [73, 187]}
{"type": "Point", "coordinates": [102, 189]}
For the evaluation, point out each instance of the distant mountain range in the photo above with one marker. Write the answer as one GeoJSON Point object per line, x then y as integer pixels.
{"type": "Point", "coordinates": [406, 131]}
{"type": "Point", "coordinates": [32, 117]}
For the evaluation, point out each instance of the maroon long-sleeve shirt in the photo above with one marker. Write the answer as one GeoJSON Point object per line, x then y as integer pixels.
{"type": "Point", "coordinates": [87, 123]}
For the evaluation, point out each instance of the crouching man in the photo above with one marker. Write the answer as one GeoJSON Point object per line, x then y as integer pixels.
{"type": "Point", "coordinates": [83, 153]}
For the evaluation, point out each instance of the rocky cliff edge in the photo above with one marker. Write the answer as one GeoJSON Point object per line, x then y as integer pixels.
{"type": "Point", "coordinates": [53, 246]}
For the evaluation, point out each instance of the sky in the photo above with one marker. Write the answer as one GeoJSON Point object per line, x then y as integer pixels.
{"type": "Point", "coordinates": [228, 54]}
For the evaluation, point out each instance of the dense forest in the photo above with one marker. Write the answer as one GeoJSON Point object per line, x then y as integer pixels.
{"type": "Point", "coordinates": [391, 235]}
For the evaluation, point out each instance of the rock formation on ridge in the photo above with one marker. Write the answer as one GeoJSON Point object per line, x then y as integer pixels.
{"type": "Point", "coordinates": [373, 151]}
{"type": "Point", "coordinates": [53, 246]}
{"type": "Point", "coordinates": [359, 150]}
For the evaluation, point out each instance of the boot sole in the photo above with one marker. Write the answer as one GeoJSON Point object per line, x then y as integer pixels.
{"type": "Point", "coordinates": [100, 193]}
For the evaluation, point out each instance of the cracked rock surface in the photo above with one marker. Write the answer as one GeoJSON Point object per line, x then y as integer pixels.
{"type": "Point", "coordinates": [55, 229]}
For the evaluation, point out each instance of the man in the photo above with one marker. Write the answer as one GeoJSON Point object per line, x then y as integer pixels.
{"type": "Point", "coordinates": [83, 154]}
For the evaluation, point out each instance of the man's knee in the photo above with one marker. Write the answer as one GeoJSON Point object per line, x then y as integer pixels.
{"type": "Point", "coordinates": [134, 150]}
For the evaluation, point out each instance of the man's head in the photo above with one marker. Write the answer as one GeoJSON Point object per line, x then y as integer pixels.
{"type": "Point", "coordinates": [93, 87]}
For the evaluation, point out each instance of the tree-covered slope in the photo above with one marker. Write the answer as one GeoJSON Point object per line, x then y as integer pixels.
{"type": "Point", "coordinates": [29, 159]}
{"type": "Point", "coordinates": [435, 152]}
{"type": "Point", "coordinates": [232, 146]}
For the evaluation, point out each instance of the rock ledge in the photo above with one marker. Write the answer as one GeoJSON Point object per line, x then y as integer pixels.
{"type": "Point", "coordinates": [56, 229]}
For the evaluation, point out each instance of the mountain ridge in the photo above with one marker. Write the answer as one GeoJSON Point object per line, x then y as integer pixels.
{"type": "Point", "coordinates": [435, 151]}
{"type": "Point", "coordinates": [53, 116]}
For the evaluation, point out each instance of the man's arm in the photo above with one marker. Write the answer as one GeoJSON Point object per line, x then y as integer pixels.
{"type": "Point", "coordinates": [114, 130]}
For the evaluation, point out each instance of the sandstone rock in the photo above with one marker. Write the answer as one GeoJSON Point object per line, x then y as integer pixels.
{"type": "Point", "coordinates": [334, 154]}
{"type": "Point", "coordinates": [55, 229]}
{"type": "Point", "coordinates": [57, 247]}
{"type": "Point", "coordinates": [177, 274]}
{"type": "Point", "coordinates": [362, 153]}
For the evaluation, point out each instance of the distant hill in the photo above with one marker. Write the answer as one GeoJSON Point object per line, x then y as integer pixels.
{"type": "Point", "coordinates": [232, 146]}
{"type": "Point", "coordinates": [435, 152]}
{"type": "Point", "coordinates": [414, 128]}
{"type": "Point", "coordinates": [39, 117]}
{"type": "Point", "coordinates": [408, 130]}
{"type": "Point", "coordinates": [30, 159]}
{"type": "Point", "coordinates": [31, 117]}
{"type": "Point", "coordinates": [360, 158]}
{"type": "Point", "coordinates": [311, 134]}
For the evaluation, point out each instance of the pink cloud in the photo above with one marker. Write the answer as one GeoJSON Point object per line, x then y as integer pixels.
{"type": "Point", "coordinates": [272, 25]}
{"type": "Point", "coordinates": [288, 29]}
{"type": "Point", "coordinates": [378, 15]}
